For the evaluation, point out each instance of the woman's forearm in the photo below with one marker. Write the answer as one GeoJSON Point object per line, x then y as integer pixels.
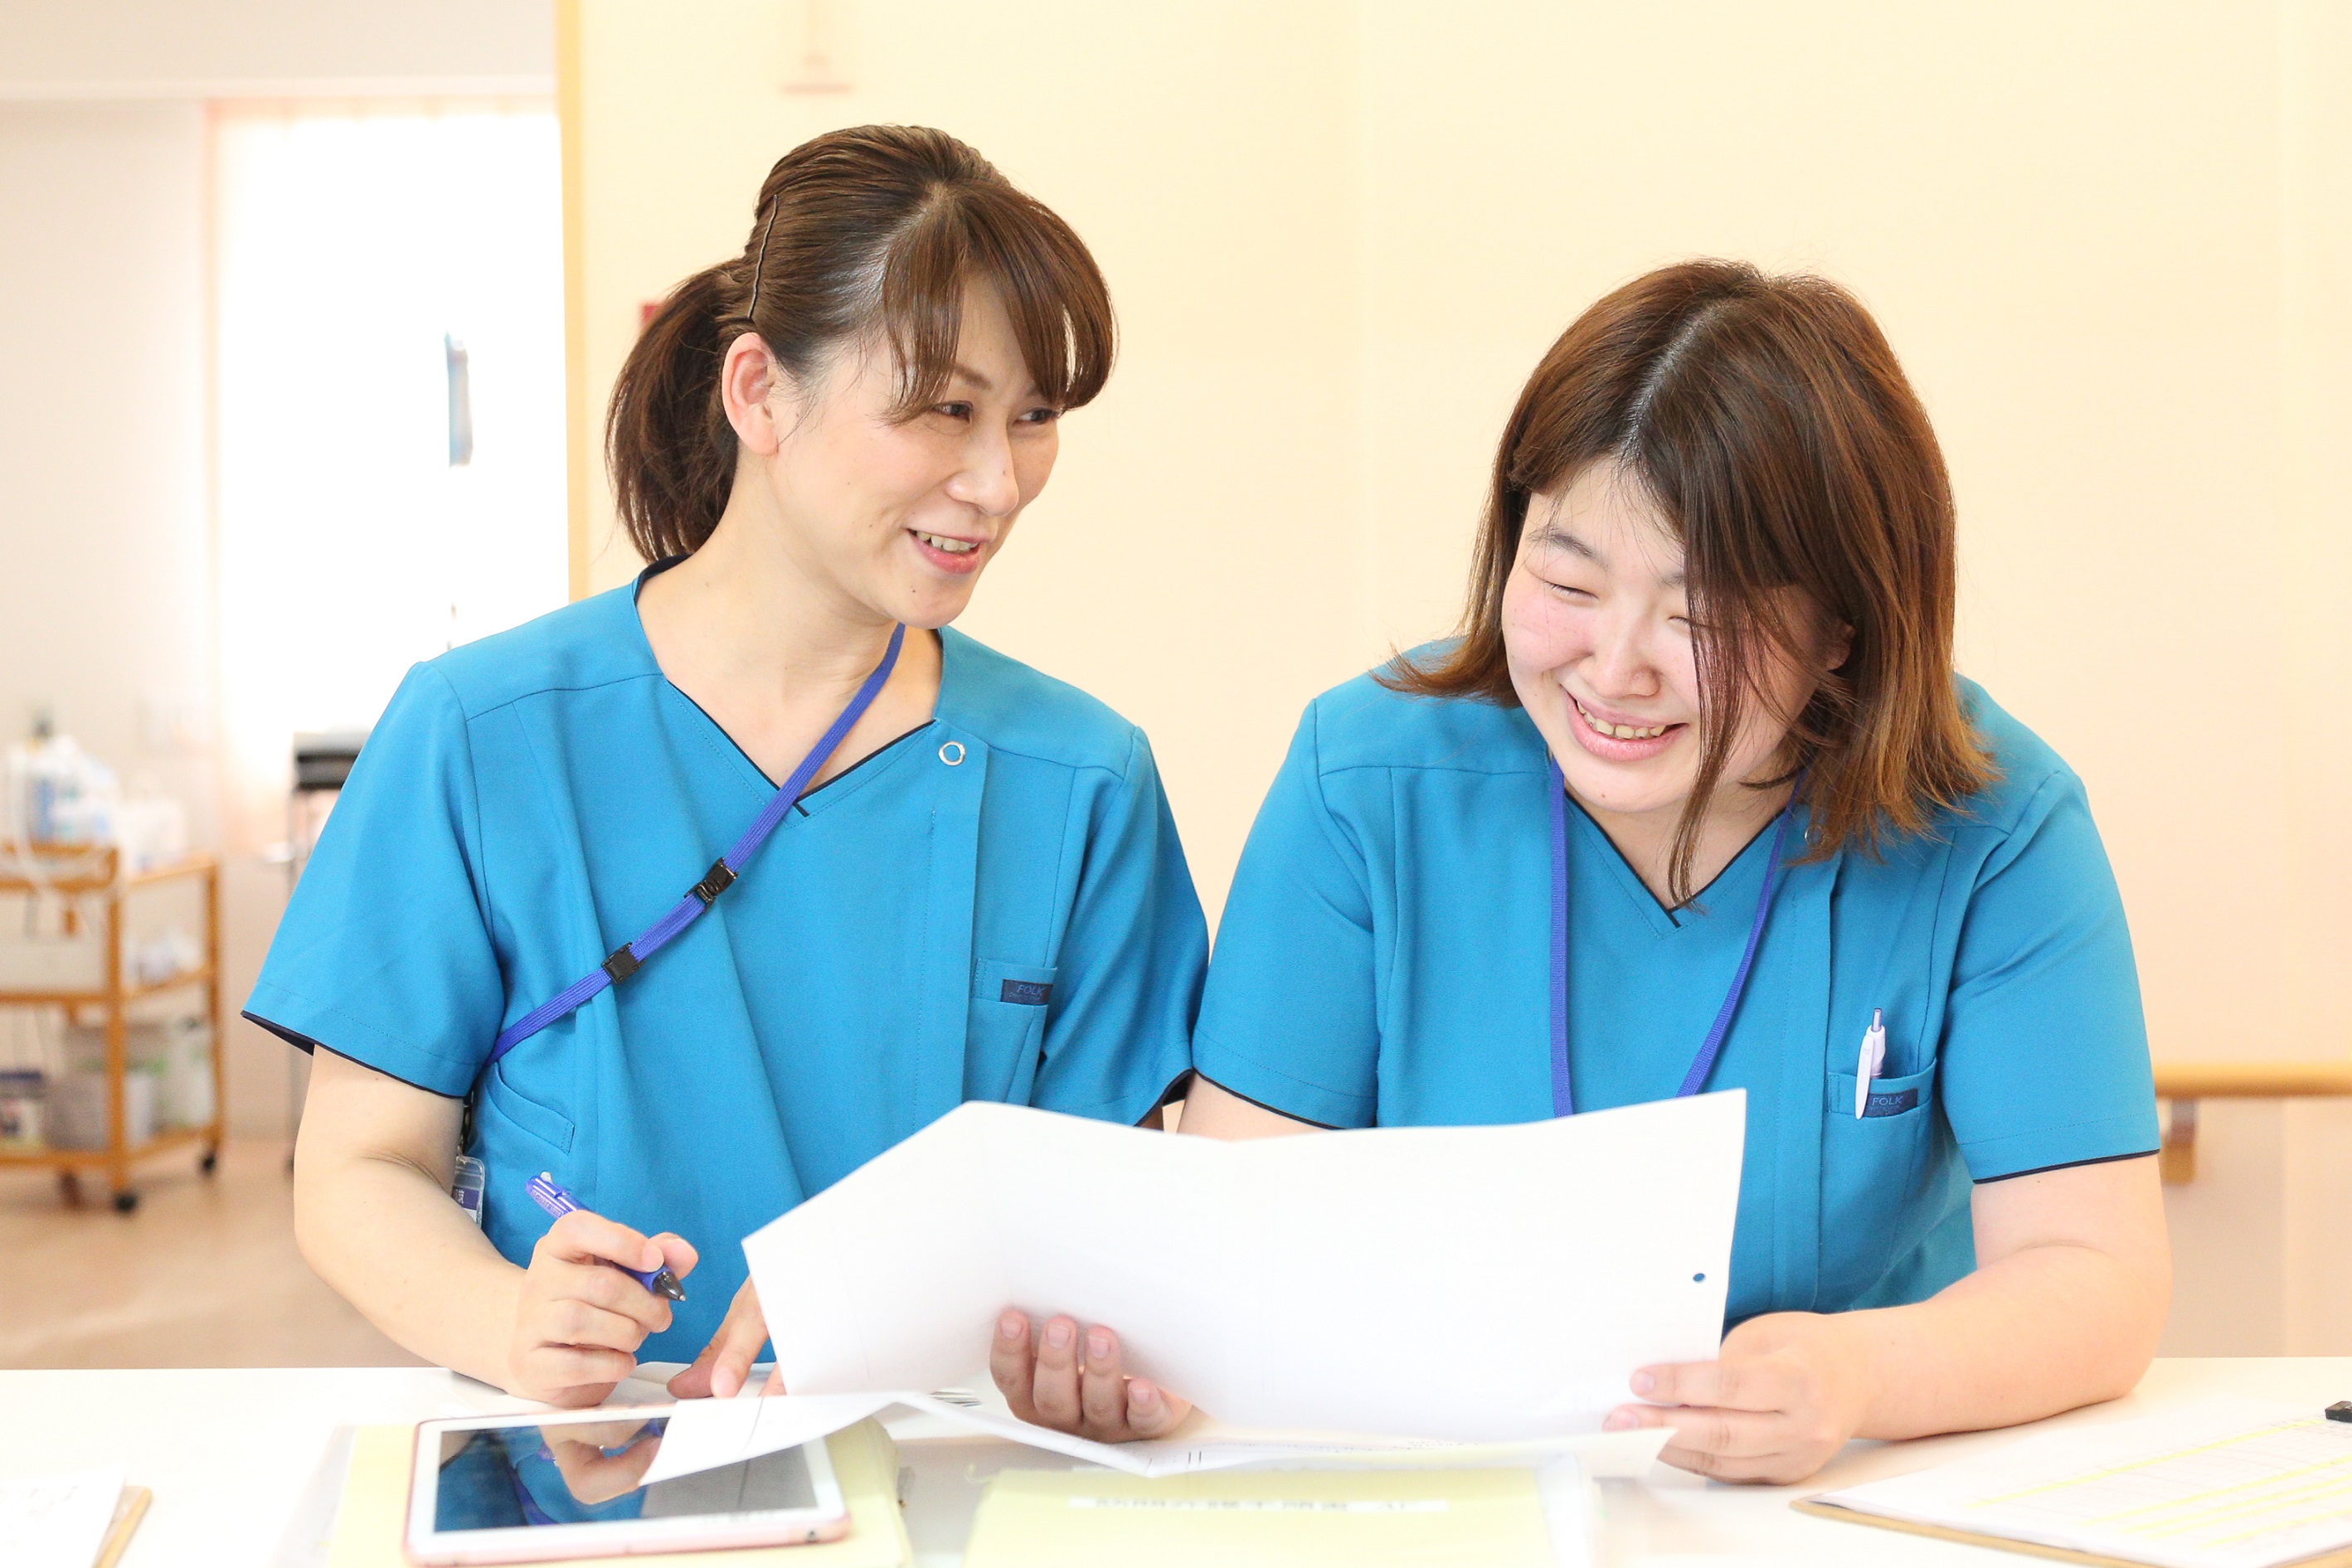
{"type": "Point", "coordinates": [384, 1235]}
{"type": "Point", "coordinates": [2044, 1330]}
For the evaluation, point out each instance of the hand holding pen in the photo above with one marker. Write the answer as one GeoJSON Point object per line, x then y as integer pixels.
{"type": "Point", "coordinates": [592, 1293]}
{"type": "Point", "coordinates": [549, 1196]}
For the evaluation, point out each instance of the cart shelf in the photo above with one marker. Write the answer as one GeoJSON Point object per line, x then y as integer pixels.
{"type": "Point", "coordinates": [97, 876]}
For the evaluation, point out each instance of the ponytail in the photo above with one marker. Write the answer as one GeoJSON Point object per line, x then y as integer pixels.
{"type": "Point", "coordinates": [668, 442]}
{"type": "Point", "coordinates": [868, 233]}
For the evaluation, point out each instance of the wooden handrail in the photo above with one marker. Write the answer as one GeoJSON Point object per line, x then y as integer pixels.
{"type": "Point", "coordinates": [2252, 1080]}
{"type": "Point", "coordinates": [2183, 1083]}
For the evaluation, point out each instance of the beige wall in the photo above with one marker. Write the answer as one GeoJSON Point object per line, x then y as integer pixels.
{"type": "Point", "coordinates": [2107, 239]}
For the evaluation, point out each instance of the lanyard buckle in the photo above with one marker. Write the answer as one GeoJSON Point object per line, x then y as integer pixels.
{"type": "Point", "coordinates": [718, 880]}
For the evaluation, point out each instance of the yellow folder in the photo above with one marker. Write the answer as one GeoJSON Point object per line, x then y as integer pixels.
{"type": "Point", "coordinates": [375, 1515]}
{"type": "Point", "coordinates": [1261, 1519]}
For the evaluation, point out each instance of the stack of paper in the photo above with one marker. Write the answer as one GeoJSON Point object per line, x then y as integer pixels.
{"type": "Point", "coordinates": [68, 1521]}
{"type": "Point", "coordinates": [2227, 1484]}
{"type": "Point", "coordinates": [1472, 1283]}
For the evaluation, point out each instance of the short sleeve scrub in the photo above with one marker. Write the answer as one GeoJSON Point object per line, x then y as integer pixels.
{"type": "Point", "coordinates": [1384, 958]}
{"type": "Point", "coordinates": [994, 906]}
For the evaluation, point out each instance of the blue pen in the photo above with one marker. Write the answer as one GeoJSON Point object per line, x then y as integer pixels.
{"type": "Point", "coordinates": [559, 1203]}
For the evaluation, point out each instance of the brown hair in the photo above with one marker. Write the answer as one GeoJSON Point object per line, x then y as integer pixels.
{"type": "Point", "coordinates": [1767, 420]}
{"type": "Point", "coordinates": [869, 235]}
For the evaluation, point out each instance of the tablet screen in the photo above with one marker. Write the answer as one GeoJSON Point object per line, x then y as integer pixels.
{"type": "Point", "coordinates": [507, 1477]}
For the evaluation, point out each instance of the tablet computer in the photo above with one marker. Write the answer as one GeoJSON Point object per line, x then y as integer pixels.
{"type": "Point", "coordinates": [527, 1488]}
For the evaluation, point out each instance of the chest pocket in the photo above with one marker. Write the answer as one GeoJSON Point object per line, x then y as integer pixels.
{"type": "Point", "coordinates": [1874, 1172]}
{"type": "Point", "coordinates": [1004, 1032]}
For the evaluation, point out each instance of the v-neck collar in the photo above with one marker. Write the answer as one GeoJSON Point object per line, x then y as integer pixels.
{"type": "Point", "coordinates": [1738, 880]}
{"type": "Point", "coordinates": [751, 773]}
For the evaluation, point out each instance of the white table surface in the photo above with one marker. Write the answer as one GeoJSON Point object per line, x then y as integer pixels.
{"type": "Point", "coordinates": [230, 1455]}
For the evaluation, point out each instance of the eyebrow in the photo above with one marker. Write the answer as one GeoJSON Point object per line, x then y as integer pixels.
{"type": "Point", "coordinates": [981, 384]}
{"type": "Point", "coordinates": [1550, 533]}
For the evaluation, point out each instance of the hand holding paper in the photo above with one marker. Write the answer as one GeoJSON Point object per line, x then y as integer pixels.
{"type": "Point", "coordinates": [1354, 1281]}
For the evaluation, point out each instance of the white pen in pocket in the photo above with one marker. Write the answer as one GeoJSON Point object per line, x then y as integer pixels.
{"type": "Point", "coordinates": [1874, 1059]}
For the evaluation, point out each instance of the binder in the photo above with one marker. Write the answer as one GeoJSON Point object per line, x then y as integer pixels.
{"type": "Point", "coordinates": [1819, 1509]}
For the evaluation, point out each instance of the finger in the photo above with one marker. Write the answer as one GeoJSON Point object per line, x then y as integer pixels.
{"type": "Point", "coordinates": [775, 1384]}
{"type": "Point", "coordinates": [1740, 1382]}
{"type": "Point", "coordinates": [1772, 1468]}
{"type": "Point", "coordinates": [1102, 1387]}
{"type": "Point", "coordinates": [678, 1255]}
{"type": "Point", "coordinates": [590, 1327]}
{"type": "Point", "coordinates": [694, 1383]}
{"type": "Point", "coordinates": [1152, 1412]}
{"type": "Point", "coordinates": [580, 1237]}
{"type": "Point", "coordinates": [740, 1338]}
{"type": "Point", "coordinates": [608, 1289]}
{"type": "Point", "coordinates": [1010, 1364]}
{"type": "Point", "coordinates": [560, 1373]}
{"type": "Point", "coordinates": [1725, 1434]}
{"type": "Point", "coordinates": [1054, 1386]}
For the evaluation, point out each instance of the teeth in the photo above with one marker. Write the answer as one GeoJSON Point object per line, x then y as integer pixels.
{"type": "Point", "coordinates": [952, 546]}
{"type": "Point", "coordinates": [1621, 731]}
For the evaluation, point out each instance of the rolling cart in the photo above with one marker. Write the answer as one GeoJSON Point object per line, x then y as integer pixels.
{"type": "Point", "coordinates": [86, 877]}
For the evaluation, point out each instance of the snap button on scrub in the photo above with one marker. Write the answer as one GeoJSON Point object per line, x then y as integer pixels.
{"type": "Point", "coordinates": [951, 753]}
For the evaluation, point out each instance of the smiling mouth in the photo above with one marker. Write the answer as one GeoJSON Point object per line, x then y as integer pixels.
{"type": "Point", "coordinates": [943, 543]}
{"type": "Point", "coordinates": [1621, 731]}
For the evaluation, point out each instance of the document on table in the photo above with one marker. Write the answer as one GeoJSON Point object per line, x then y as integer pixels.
{"type": "Point", "coordinates": [1483, 1284]}
{"type": "Point", "coordinates": [58, 1522]}
{"type": "Point", "coordinates": [2224, 1483]}
{"type": "Point", "coordinates": [703, 1434]}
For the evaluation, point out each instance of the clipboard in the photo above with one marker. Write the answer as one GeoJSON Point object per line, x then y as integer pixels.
{"type": "Point", "coordinates": [2339, 1558]}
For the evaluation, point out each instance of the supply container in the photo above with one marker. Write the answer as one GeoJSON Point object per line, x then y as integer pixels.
{"type": "Point", "coordinates": [22, 1093]}
{"type": "Point", "coordinates": [175, 1054]}
{"type": "Point", "coordinates": [75, 1109]}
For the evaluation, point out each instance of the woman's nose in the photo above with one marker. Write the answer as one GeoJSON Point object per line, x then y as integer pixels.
{"type": "Point", "coordinates": [1620, 663]}
{"type": "Point", "coordinates": [987, 481]}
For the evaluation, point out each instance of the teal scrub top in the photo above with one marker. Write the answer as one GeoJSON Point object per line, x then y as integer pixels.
{"type": "Point", "coordinates": [1384, 958]}
{"type": "Point", "coordinates": [994, 906]}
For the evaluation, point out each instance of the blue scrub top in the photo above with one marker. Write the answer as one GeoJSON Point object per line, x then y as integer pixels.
{"type": "Point", "coordinates": [1384, 959]}
{"type": "Point", "coordinates": [992, 907]}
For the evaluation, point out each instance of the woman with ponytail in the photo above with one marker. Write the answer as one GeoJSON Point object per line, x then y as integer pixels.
{"type": "Point", "coordinates": [927, 874]}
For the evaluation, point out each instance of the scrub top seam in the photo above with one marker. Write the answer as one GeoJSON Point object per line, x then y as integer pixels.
{"type": "Point", "coordinates": [361, 1026]}
{"type": "Point", "coordinates": [2068, 1166]}
{"type": "Point", "coordinates": [477, 873]}
{"type": "Point", "coordinates": [876, 755]}
{"type": "Point", "coordinates": [1328, 820]}
{"type": "Point", "coordinates": [548, 689]}
{"type": "Point", "coordinates": [1122, 773]}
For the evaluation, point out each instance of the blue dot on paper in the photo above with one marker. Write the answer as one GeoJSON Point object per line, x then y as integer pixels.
{"type": "Point", "coordinates": [1698, 1279]}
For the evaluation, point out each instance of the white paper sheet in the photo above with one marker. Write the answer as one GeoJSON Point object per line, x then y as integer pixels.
{"type": "Point", "coordinates": [1473, 1283]}
{"type": "Point", "coordinates": [2223, 1483]}
{"type": "Point", "coordinates": [58, 1522]}
{"type": "Point", "coordinates": [705, 1433]}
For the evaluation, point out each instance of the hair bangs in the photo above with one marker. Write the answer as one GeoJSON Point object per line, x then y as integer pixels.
{"type": "Point", "coordinates": [1052, 292]}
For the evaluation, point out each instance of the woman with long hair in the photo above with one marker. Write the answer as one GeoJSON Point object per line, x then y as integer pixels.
{"type": "Point", "coordinates": [1696, 802]}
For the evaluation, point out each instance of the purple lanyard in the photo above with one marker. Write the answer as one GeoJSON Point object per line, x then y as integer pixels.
{"type": "Point", "coordinates": [1563, 1094]}
{"type": "Point", "coordinates": [629, 956]}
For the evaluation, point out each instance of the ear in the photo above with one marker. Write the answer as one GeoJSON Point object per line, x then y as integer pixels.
{"type": "Point", "coordinates": [1837, 645]}
{"type": "Point", "coordinates": [747, 377]}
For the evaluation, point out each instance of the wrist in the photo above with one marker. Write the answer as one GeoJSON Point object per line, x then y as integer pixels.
{"type": "Point", "coordinates": [1867, 1359]}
